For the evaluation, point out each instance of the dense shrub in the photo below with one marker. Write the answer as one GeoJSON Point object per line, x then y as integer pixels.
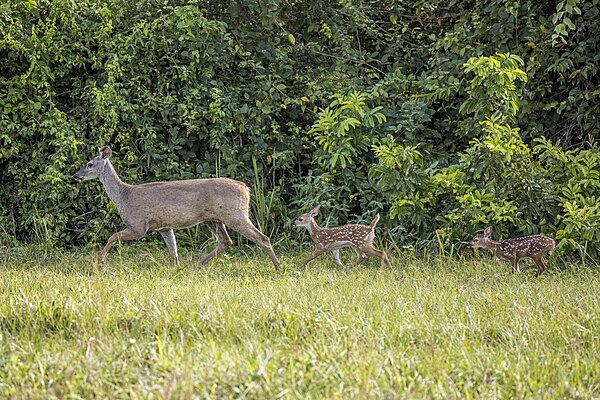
{"type": "Point", "coordinates": [499, 180]}
{"type": "Point", "coordinates": [360, 106]}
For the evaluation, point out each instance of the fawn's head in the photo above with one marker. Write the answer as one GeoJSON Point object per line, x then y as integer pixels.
{"type": "Point", "coordinates": [482, 240]}
{"type": "Point", "coordinates": [93, 168]}
{"type": "Point", "coordinates": [306, 218]}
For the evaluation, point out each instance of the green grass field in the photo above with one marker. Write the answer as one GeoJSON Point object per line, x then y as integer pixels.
{"type": "Point", "coordinates": [140, 328]}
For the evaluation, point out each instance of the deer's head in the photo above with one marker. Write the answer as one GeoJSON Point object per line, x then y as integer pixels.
{"type": "Point", "coordinates": [306, 218]}
{"type": "Point", "coordinates": [93, 168]}
{"type": "Point", "coordinates": [482, 240]}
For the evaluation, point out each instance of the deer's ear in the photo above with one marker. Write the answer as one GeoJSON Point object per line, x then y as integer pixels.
{"type": "Point", "coordinates": [105, 152]}
{"type": "Point", "coordinates": [488, 231]}
{"type": "Point", "coordinates": [315, 211]}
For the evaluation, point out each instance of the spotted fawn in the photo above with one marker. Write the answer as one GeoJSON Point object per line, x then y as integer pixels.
{"type": "Point", "coordinates": [359, 237]}
{"type": "Point", "coordinates": [514, 250]}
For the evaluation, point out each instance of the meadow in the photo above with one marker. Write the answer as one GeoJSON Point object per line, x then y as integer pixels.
{"type": "Point", "coordinates": [425, 328]}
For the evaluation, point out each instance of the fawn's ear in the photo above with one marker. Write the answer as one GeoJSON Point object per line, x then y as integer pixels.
{"type": "Point", "coordinates": [488, 231]}
{"type": "Point", "coordinates": [315, 211]}
{"type": "Point", "coordinates": [105, 152]}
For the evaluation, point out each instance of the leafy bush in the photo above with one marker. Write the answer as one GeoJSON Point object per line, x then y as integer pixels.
{"type": "Point", "coordinates": [309, 103]}
{"type": "Point", "coordinates": [497, 180]}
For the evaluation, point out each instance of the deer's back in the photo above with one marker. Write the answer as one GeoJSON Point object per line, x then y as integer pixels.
{"type": "Point", "coordinates": [355, 234]}
{"type": "Point", "coordinates": [185, 203]}
{"type": "Point", "coordinates": [526, 246]}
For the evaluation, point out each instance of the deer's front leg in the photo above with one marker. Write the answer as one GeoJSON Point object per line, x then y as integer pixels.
{"type": "Point", "coordinates": [125, 234]}
{"type": "Point", "coordinates": [318, 251]}
{"type": "Point", "coordinates": [336, 257]}
{"type": "Point", "coordinates": [169, 238]}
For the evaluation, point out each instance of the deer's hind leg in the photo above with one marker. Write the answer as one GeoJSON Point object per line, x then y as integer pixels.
{"type": "Point", "coordinates": [223, 241]}
{"type": "Point", "coordinates": [541, 265]}
{"type": "Point", "coordinates": [531, 266]}
{"type": "Point", "coordinates": [372, 251]}
{"type": "Point", "coordinates": [360, 256]}
{"type": "Point", "coordinates": [248, 230]}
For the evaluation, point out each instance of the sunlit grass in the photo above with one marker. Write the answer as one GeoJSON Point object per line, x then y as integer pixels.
{"type": "Point", "coordinates": [140, 328]}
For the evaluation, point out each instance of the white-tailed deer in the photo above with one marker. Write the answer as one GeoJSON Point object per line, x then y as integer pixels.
{"type": "Point", "coordinates": [164, 206]}
{"type": "Point", "coordinates": [360, 237]}
{"type": "Point", "coordinates": [514, 250]}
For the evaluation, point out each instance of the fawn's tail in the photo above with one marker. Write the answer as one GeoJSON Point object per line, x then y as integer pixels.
{"type": "Point", "coordinates": [375, 220]}
{"type": "Point", "coordinates": [552, 246]}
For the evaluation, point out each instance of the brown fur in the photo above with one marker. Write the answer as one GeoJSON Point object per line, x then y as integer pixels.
{"type": "Point", "coordinates": [359, 237]}
{"type": "Point", "coordinates": [514, 250]}
{"type": "Point", "coordinates": [164, 206]}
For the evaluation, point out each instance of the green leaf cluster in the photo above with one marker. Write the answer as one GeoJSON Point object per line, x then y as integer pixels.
{"type": "Point", "coordinates": [343, 129]}
{"type": "Point", "coordinates": [442, 102]}
{"type": "Point", "coordinates": [498, 180]}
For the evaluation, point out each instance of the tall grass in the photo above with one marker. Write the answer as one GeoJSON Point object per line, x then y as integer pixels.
{"type": "Point", "coordinates": [236, 328]}
{"type": "Point", "coordinates": [264, 204]}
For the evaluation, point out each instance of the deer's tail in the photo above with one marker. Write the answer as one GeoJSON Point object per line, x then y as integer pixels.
{"type": "Point", "coordinates": [375, 220]}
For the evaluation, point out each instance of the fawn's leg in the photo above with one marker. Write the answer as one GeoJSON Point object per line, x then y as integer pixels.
{"type": "Point", "coordinates": [515, 265]}
{"type": "Point", "coordinates": [316, 253]}
{"type": "Point", "coordinates": [386, 259]}
{"type": "Point", "coordinates": [360, 256]}
{"type": "Point", "coordinates": [541, 265]}
{"type": "Point", "coordinates": [336, 257]}
{"type": "Point", "coordinates": [223, 241]}
{"type": "Point", "coordinates": [169, 238]}
{"type": "Point", "coordinates": [125, 234]}
{"type": "Point", "coordinates": [534, 265]}
{"type": "Point", "coordinates": [372, 251]}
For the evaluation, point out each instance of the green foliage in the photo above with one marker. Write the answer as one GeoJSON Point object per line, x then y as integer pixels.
{"type": "Point", "coordinates": [562, 20]}
{"type": "Point", "coordinates": [496, 181]}
{"type": "Point", "coordinates": [493, 91]}
{"type": "Point", "coordinates": [151, 82]}
{"type": "Point", "coordinates": [267, 203]}
{"type": "Point", "coordinates": [340, 127]}
{"type": "Point", "coordinates": [575, 187]}
{"type": "Point", "coordinates": [287, 95]}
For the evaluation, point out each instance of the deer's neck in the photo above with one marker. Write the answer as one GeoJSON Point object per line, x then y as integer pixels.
{"type": "Point", "coordinates": [495, 247]}
{"type": "Point", "coordinates": [313, 229]}
{"type": "Point", "coordinates": [114, 186]}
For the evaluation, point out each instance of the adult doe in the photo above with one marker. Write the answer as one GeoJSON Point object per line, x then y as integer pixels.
{"type": "Point", "coordinates": [514, 250]}
{"type": "Point", "coordinates": [359, 237]}
{"type": "Point", "coordinates": [164, 206]}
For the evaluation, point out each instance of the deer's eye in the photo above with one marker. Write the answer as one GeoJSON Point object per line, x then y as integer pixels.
{"type": "Point", "coordinates": [90, 165]}
{"type": "Point", "coordinates": [300, 219]}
